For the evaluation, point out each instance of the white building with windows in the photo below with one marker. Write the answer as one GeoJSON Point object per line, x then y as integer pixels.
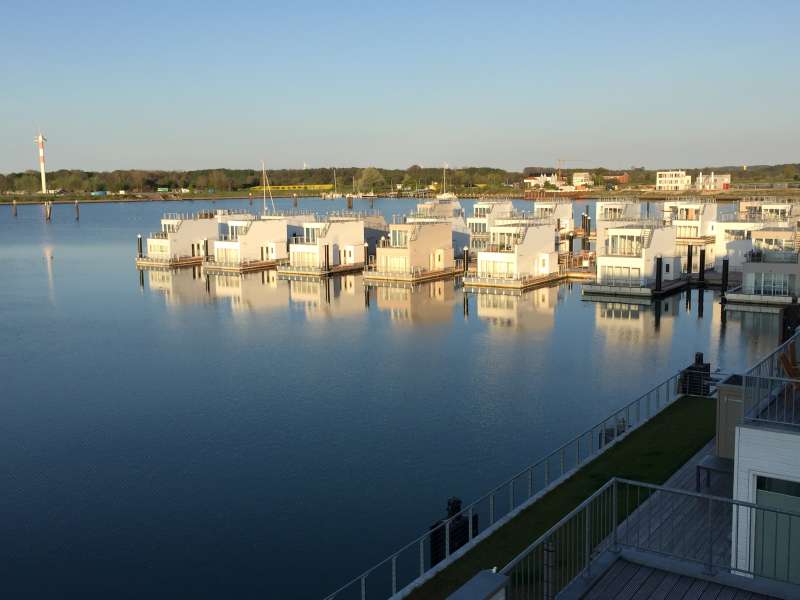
{"type": "Point", "coordinates": [542, 180]}
{"type": "Point", "coordinates": [673, 181]}
{"type": "Point", "coordinates": [558, 211]}
{"type": "Point", "coordinates": [582, 180]}
{"type": "Point", "coordinates": [628, 257]}
{"type": "Point", "coordinates": [712, 182]}
{"type": "Point", "coordinates": [696, 221]}
{"type": "Point", "coordinates": [327, 247]}
{"type": "Point", "coordinates": [255, 242]}
{"type": "Point", "coordinates": [517, 254]}
{"type": "Point", "coordinates": [770, 209]}
{"type": "Point", "coordinates": [414, 252]}
{"type": "Point", "coordinates": [448, 210]}
{"type": "Point", "coordinates": [182, 239]}
{"type": "Point", "coordinates": [621, 211]}
{"type": "Point", "coordinates": [770, 270]}
{"type": "Point", "coordinates": [485, 214]}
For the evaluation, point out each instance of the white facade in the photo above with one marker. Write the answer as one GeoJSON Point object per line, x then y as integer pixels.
{"type": "Point", "coordinates": [582, 180]}
{"type": "Point", "coordinates": [539, 181]}
{"type": "Point", "coordinates": [673, 181]}
{"type": "Point", "coordinates": [182, 236]}
{"type": "Point", "coordinates": [614, 213]}
{"type": "Point", "coordinates": [328, 244]}
{"type": "Point", "coordinates": [560, 212]}
{"type": "Point", "coordinates": [415, 248]}
{"type": "Point", "coordinates": [519, 252]}
{"type": "Point", "coordinates": [628, 256]}
{"type": "Point", "coordinates": [706, 182]}
{"type": "Point", "coordinates": [447, 210]}
{"type": "Point", "coordinates": [485, 214]}
{"type": "Point", "coordinates": [733, 241]}
{"type": "Point", "coordinates": [769, 209]}
{"type": "Point", "coordinates": [256, 240]}
{"type": "Point", "coordinates": [764, 456]}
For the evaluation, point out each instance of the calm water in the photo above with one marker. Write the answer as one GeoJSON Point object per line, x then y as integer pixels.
{"type": "Point", "coordinates": [246, 437]}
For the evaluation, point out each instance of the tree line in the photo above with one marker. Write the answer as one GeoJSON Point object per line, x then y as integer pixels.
{"type": "Point", "coordinates": [347, 178]}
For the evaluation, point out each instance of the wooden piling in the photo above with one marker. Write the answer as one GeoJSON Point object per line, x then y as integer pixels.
{"type": "Point", "coordinates": [77, 211]}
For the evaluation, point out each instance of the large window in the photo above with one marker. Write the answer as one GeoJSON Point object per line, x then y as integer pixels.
{"type": "Point", "coordinates": [769, 284]}
{"type": "Point", "coordinates": [621, 276]}
{"type": "Point", "coordinates": [399, 238]}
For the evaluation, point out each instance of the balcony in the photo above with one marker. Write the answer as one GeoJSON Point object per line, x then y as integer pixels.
{"type": "Point", "coordinates": [159, 235]}
{"type": "Point", "coordinates": [505, 247]}
{"type": "Point", "coordinates": [772, 256]}
{"type": "Point", "coordinates": [307, 241]}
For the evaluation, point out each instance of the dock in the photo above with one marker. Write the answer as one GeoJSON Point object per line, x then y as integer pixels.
{"type": "Point", "coordinates": [287, 270]}
{"type": "Point", "coordinates": [145, 262]}
{"type": "Point", "coordinates": [522, 284]}
{"type": "Point", "coordinates": [242, 267]}
{"type": "Point", "coordinates": [371, 275]}
{"type": "Point", "coordinates": [667, 288]}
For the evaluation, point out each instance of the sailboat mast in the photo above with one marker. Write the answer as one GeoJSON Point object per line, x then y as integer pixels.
{"type": "Point", "coordinates": [263, 188]}
{"type": "Point", "coordinates": [267, 187]}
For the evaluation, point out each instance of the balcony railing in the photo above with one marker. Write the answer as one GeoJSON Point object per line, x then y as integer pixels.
{"type": "Point", "coordinates": [723, 535]}
{"type": "Point", "coordinates": [476, 521]}
{"type": "Point", "coordinates": [310, 241]}
{"type": "Point", "coordinates": [772, 256]}
{"type": "Point", "coordinates": [159, 235]}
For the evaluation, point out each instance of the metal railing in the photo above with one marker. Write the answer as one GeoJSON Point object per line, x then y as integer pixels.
{"type": "Point", "coordinates": [772, 256]}
{"type": "Point", "coordinates": [740, 538]}
{"type": "Point", "coordinates": [499, 279]}
{"type": "Point", "coordinates": [304, 240]}
{"type": "Point", "coordinates": [428, 553]}
{"type": "Point", "coordinates": [158, 235]}
{"type": "Point", "coordinates": [773, 400]}
{"type": "Point", "coordinates": [772, 364]}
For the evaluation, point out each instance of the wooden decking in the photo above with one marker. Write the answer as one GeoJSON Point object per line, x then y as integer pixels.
{"type": "Point", "coordinates": [630, 581]}
{"type": "Point", "coordinates": [245, 267]}
{"type": "Point", "coordinates": [422, 277]}
{"type": "Point", "coordinates": [185, 261]}
{"type": "Point", "coordinates": [321, 272]}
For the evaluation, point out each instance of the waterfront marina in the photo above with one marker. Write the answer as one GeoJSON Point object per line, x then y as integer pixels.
{"type": "Point", "coordinates": [261, 418]}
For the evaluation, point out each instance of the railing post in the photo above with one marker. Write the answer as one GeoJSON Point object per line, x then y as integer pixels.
{"type": "Point", "coordinates": [422, 557]}
{"type": "Point", "coordinates": [394, 574]}
{"type": "Point", "coordinates": [447, 538]}
{"type": "Point", "coordinates": [510, 495]}
{"type": "Point", "coordinates": [530, 482]}
{"type": "Point", "coordinates": [547, 574]}
{"type": "Point", "coordinates": [710, 563]}
{"type": "Point", "coordinates": [614, 498]}
{"type": "Point", "coordinates": [491, 508]}
{"type": "Point", "coordinates": [587, 545]}
{"type": "Point", "coordinates": [469, 525]}
{"type": "Point", "coordinates": [363, 587]}
{"type": "Point", "coordinates": [561, 458]}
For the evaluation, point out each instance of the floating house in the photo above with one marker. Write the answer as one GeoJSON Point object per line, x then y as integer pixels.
{"type": "Point", "coordinates": [254, 244]}
{"type": "Point", "coordinates": [414, 252]}
{"type": "Point", "coordinates": [485, 214]}
{"type": "Point", "coordinates": [325, 247]}
{"type": "Point", "coordinates": [559, 211]}
{"type": "Point", "coordinates": [182, 241]}
{"type": "Point", "coordinates": [637, 260]}
{"type": "Point", "coordinates": [695, 221]}
{"type": "Point", "coordinates": [771, 271]}
{"type": "Point", "coordinates": [517, 257]}
{"type": "Point", "coordinates": [448, 210]}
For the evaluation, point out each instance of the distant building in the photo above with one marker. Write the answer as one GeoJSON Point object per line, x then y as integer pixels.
{"type": "Point", "coordinates": [582, 180]}
{"type": "Point", "coordinates": [673, 181]}
{"type": "Point", "coordinates": [712, 181]}
{"type": "Point", "coordinates": [542, 179]}
{"type": "Point", "coordinates": [622, 179]}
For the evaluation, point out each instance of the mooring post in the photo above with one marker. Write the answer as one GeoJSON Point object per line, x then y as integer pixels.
{"type": "Point", "coordinates": [700, 303]}
{"type": "Point", "coordinates": [466, 259]}
{"type": "Point", "coordinates": [724, 276]}
{"type": "Point", "coordinates": [205, 249]}
{"type": "Point", "coordinates": [77, 211]}
{"type": "Point", "coordinates": [141, 279]}
{"type": "Point", "coordinates": [689, 260]}
{"type": "Point", "coordinates": [294, 200]}
{"type": "Point", "coordinates": [349, 203]}
{"type": "Point", "coordinates": [14, 208]}
{"type": "Point", "coordinates": [366, 295]}
{"type": "Point", "coordinates": [139, 253]}
{"type": "Point", "coordinates": [702, 266]}
{"type": "Point", "coordinates": [466, 304]}
{"type": "Point", "coordinates": [659, 271]}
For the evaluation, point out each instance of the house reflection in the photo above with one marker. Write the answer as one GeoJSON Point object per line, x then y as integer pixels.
{"type": "Point", "coordinates": [324, 297]}
{"type": "Point", "coordinates": [423, 303]}
{"type": "Point", "coordinates": [178, 286]}
{"type": "Point", "coordinates": [534, 310]}
{"type": "Point", "coordinates": [257, 292]}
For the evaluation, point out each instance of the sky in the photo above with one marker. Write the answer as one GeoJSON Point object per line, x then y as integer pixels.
{"type": "Point", "coordinates": [201, 84]}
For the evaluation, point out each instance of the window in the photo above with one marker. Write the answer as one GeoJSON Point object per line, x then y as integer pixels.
{"type": "Point", "coordinates": [666, 268]}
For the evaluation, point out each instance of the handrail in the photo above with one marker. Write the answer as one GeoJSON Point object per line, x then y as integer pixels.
{"type": "Point", "coordinates": [552, 469]}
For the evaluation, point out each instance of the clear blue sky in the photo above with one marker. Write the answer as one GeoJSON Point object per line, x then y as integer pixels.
{"type": "Point", "coordinates": [179, 84]}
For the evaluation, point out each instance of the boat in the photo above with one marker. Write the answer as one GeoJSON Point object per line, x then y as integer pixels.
{"type": "Point", "coordinates": [445, 195]}
{"type": "Point", "coordinates": [334, 195]}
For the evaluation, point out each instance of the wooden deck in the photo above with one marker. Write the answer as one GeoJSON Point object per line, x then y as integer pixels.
{"type": "Point", "coordinates": [630, 581]}
{"type": "Point", "coordinates": [173, 263]}
{"type": "Point", "coordinates": [377, 276]}
{"type": "Point", "coordinates": [247, 267]}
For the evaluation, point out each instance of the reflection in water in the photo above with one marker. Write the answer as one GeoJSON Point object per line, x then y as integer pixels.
{"type": "Point", "coordinates": [179, 286]}
{"type": "Point", "coordinates": [424, 303]}
{"type": "Point", "coordinates": [531, 310]}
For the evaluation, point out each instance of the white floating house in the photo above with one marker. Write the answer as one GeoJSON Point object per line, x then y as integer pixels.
{"type": "Point", "coordinates": [443, 209]}
{"type": "Point", "coordinates": [771, 271]}
{"type": "Point", "coordinates": [414, 252]}
{"type": "Point", "coordinates": [253, 244]}
{"type": "Point", "coordinates": [327, 247]}
{"type": "Point", "coordinates": [769, 209]}
{"type": "Point", "coordinates": [485, 214]}
{"type": "Point", "coordinates": [559, 211]}
{"type": "Point", "coordinates": [695, 221]}
{"type": "Point", "coordinates": [183, 240]}
{"type": "Point", "coordinates": [620, 211]}
{"type": "Point", "coordinates": [517, 256]}
{"type": "Point", "coordinates": [627, 261]}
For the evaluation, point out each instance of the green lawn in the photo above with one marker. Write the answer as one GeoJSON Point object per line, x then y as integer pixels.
{"type": "Point", "coordinates": [651, 453]}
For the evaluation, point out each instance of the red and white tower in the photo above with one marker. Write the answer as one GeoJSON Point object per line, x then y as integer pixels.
{"type": "Point", "coordinates": [40, 140]}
